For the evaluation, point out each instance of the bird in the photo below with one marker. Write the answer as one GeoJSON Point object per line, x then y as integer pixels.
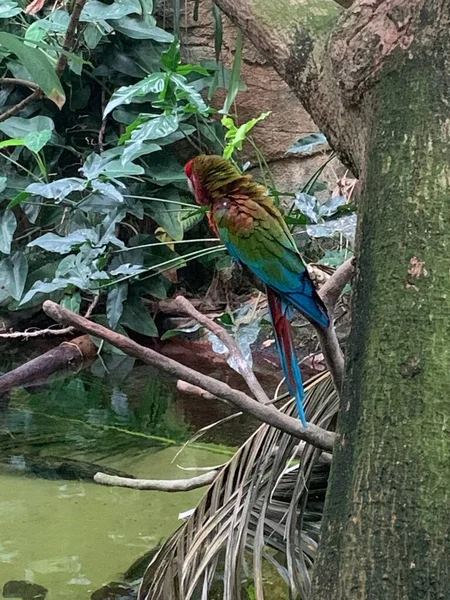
{"type": "Point", "coordinates": [245, 218]}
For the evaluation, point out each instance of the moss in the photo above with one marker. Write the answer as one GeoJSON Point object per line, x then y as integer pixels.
{"type": "Point", "coordinates": [316, 15]}
{"type": "Point", "coordinates": [387, 528]}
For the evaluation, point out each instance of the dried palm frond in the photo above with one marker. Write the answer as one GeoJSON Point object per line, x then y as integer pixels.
{"type": "Point", "coordinates": [264, 507]}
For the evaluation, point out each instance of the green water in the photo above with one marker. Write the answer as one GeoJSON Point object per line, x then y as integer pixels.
{"type": "Point", "coordinates": [74, 536]}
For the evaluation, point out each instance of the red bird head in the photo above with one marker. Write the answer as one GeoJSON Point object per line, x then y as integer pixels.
{"type": "Point", "coordinates": [207, 175]}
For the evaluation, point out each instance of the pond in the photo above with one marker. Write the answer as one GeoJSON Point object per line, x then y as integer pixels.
{"type": "Point", "coordinates": [72, 536]}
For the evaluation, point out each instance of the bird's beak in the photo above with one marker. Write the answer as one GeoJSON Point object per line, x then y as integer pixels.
{"type": "Point", "coordinates": [191, 187]}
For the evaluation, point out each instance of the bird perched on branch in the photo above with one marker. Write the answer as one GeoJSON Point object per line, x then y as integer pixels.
{"type": "Point", "coordinates": [255, 234]}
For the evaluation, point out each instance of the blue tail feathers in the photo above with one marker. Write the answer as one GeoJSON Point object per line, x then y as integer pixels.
{"type": "Point", "coordinates": [280, 312]}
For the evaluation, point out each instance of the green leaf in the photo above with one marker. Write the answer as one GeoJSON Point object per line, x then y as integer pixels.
{"type": "Point", "coordinates": [154, 83]}
{"type": "Point", "coordinates": [58, 189]}
{"type": "Point", "coordinates": [18, 127]}
{"type": "Point", "coordinates": [119, 168]}
{"type": "Point", "coordinates": [44, 288]}
{"type": "Point", "coordinates": [137, 318]}
{"type": "Point", "coordinates": [235, 74]}
{"type": "Point", "coordinates": [36, 140]}
{"type": "Point", "coordinates": [237, 135]}
{"type": "Point", "coordinates": [3, 181]}
{"type": "Point", "coordinates": [171, 58]}
{"type": "Point", "coordinates": [95, 11]}
{"type": "Point", "coordinates": [38, 65]}
{"type": "Point", "coordinates": [187, 92]}
{"type": "Point", "coordinates": [114, 303]}
{"type": "Point", "coordinates": [150, 130]}
{"type": "Point", "coordinates": [8, 224]}
{"type": "Point", "coordinates": [139, 29]}
{"type": "Point", "coordinates": [92, 35]}
{"type": "Point", "coordinates": [62, 245]}
{"type": "Point", "coordinates": [9, 9]}
{"type": "Point", "coordinates": [72, 302]}
{"type": "Point", "coordinates": [13, 274]}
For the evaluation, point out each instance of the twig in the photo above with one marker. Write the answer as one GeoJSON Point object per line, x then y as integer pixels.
{"type": "Point", "coordinates": [235, 353]}
{"type": "Point", "coordinates": [312, 434]}
{"type": "Point", "coordinates": [69, 41]}
{"type": "Point", "coordinates": [332, 289]}
{"type": "Point", "coordinates": [24, 82]}
{"type": "Point", "coordinates": [161, 485]}
{"type": "Point", "coordinates": [18, 107]}
{"type": "Point", "coordinates": [27, 334]}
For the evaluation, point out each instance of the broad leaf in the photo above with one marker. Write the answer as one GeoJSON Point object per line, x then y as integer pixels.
{"type": "Point", "coordinates": [18, 127]}
{"type": "Point", "coordinates": [137, 318]}
{"type": "Point", "coordinates": [8, 224]}
{"type": "Point", "coordinates": [38, 65]}
{"type": "Point", "coordinates": [345, 226]}
{"type": "Point", "coordinates": [43, 287]}
{"type": "Point", "coordinates": [62, 245]}
{"type": "Point", "coordinates": [166, 215]}
{"type": "Point", "coordinates": [330, 207]}
{"type": "Point", "coordinates": [95, 11]}
{"type": "Point", "coordinates": [36, 140]}
{"type": "Point", "coordinates": [59, 189]}
{"type": "Point", "coordinates": [13, 274]}
{"type": "Point", "coordinates": [150, 130]}
{"type": "Point", "coordinates": [114, 303]}
{"type": "Point", "coordinates": [9, 9]}
{"type": "Point", "coordinates": [154, 83]}
{"type": "Point", "coordinates": [187, 92]}
{"type": "Point", "coordinates": [139, 29]}
{"type": "Point", "coordinates": [3, 184]}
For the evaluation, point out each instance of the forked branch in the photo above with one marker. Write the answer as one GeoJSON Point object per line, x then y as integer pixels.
{"type": "Point", "coordinates": [312, 434]}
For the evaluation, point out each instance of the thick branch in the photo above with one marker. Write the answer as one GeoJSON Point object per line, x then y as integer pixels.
{"type": "Point", "coordinates": [235, 353]}
{"type": "Point", "coordinates": [160, 485]}
{"type": "Point", "coordinates": [268, 414]}
{"type": "Point", "coordinates": [293, 36]}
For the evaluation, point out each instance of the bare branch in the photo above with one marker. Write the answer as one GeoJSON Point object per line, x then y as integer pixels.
{"type": "Point", "coordinates": [13, 81]}
{"type": "Point", "coordinates": [161, 485]}
{"type": "Point", "coordinates": [312, 434]}
{"type": "Point", "coordinates": [194, 390]}
{"type": "Point", "coordinates": [33, 332]}
{"type": "Point", "coordinates": [18, 107]}
{"type": "Point", "coordinates": [235, 353]}
{"type": "Point", "coordinates": [332, 353]}
{"type": "Point", "coordinates": [333, 288]}
{"type": "Point", "coordinates": [69, 41]}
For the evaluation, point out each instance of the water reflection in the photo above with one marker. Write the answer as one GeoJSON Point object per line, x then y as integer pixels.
{"type": "Point", "coordinates": [58, 529]}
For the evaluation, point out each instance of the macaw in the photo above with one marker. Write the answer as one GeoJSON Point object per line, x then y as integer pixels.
{"type": "Point", "coordinates": [253, 230]}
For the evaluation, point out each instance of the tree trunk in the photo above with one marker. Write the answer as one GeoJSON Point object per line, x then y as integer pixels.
{"type": "Point", "coordinates": [386, 533]}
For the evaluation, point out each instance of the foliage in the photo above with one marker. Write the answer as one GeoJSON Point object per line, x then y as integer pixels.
{"type": "Point", "coordinates": [93, 197]}
{"type": "Point", "coordinates": [263, 508]}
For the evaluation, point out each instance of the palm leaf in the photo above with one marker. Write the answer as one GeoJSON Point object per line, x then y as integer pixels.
{"type": "Point", "coordinates": [264, 507]}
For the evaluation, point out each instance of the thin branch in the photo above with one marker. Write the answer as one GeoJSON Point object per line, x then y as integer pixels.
{"type": "Point", "coordinates": [241, 365]}
{"type": "Point", "coordinates": [333, 288]}
{"type": "Point", "coordinates": [161, 485]}
{"type": "Point", "coordinates": [24, 82]}
{"type": "Point", "coordinates": [312, 434]}
{"type": "Point", "coordinates": [330, 292]}
{"type": "Point", "coordinates": [34, 332]}
{"type": "Point", "coordinates": [69, 41]}
{"type": "Point", "coordinates": [18, 107]}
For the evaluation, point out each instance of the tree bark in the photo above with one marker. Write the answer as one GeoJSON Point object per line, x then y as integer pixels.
{"type": "Point", "coordinates": [386, 531]}
{"type": "Point", "coordinates": [379, 88]}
